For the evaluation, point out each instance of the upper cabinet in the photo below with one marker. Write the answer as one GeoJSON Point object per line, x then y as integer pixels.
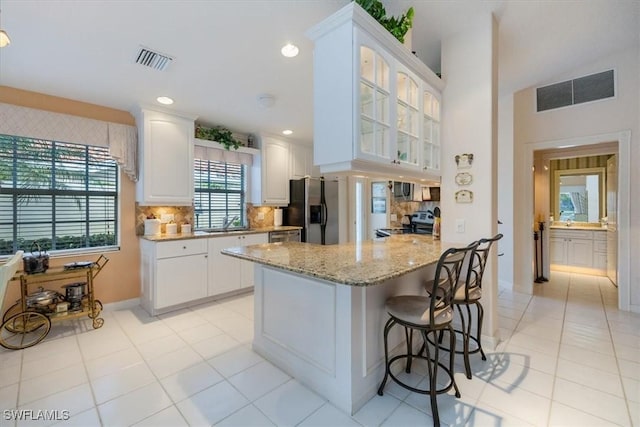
{"type": "Point", "coordinates": [165, 158]}
{"type": "Point", "coordinates": [270, 173]}
{"type": "Point", "coordinates": [376, 106]}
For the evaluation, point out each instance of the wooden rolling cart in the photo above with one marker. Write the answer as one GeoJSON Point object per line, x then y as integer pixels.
{"type": "Point", "coordinates": [24, 325]}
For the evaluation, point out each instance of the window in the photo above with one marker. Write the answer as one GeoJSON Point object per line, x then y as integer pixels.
{"type": "Point", "coordinates": [219, 193]}
{"type": "Point", "coordinates": [62, 196]}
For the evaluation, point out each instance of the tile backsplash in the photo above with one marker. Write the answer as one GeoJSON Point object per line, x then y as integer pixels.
{"type": "Point", "coordinates": [259, 216]}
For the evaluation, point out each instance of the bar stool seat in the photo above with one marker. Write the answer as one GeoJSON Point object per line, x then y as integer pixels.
{"type": "Point", "coordinates": [427, 315]}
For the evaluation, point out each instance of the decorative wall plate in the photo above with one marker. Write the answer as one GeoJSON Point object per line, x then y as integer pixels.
{"type": "Point", "coordinates": [464, 178]}
{"type": "Point", "coordinates": [463, 161]}
{"type": "Point", "coordinates": [464, 196]}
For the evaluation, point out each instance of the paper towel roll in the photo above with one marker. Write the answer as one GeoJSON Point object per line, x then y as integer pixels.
{"type": "Point", "coordinates": [172, 228]}
{"type": "Point", "coordinates": [277, 217]}
{"type": "Point", "coordinates": [151, 227]}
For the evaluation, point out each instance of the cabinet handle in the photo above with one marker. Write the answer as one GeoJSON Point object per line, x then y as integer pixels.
{"type": "Point", "coordinates": [184, 247]}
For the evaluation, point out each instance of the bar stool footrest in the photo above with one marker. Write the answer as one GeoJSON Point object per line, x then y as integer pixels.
{"type": "Point", "coordinates": [444, 389]}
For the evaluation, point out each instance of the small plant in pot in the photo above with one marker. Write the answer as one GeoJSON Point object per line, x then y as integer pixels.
{"type": "Point", "coordinates": [218, 134]}
{"type": "Point", "coordinates": [398, 27]}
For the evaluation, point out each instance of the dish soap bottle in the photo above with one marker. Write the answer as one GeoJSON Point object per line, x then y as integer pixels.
{"type": "Point", "coordinates": [436, 228]}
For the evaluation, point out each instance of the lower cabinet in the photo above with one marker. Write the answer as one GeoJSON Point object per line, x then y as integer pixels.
{"type": "Point", "coordinates": [578, 248]}
{"type": "Point", "coordinates": [178, 272]}
{"type": "Point", "coordinates": [172, 273]}
{"type": "Point", "coordinates": [226, 273]}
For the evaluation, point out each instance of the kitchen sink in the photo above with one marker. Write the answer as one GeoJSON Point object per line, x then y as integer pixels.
{"type": "Point", "coordinates": [224, 230]}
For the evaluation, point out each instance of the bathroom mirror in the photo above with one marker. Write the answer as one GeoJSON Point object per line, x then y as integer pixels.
{"type": "Point", "coordinates": [579, 195]}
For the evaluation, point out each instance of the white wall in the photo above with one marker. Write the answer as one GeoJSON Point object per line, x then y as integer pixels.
{"type": "Point", "coordinates": [506, 187]}
{"type": "Point", "coordinates": [469, 125]}
{"type": "Point", "coordinates": [581, 121]}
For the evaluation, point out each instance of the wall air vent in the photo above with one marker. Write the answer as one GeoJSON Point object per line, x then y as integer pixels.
{"type": "Point", "coordinates": [156, 60]}
{"type": "Point", "coordinates": [576, 91]}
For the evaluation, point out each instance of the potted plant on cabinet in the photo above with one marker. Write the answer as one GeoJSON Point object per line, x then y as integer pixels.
{"type": "Point", "coordinates": [218, 134]}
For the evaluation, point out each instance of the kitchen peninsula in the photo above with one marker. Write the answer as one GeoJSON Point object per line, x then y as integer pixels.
{"type": "Point", "coordinates": [319, 310]}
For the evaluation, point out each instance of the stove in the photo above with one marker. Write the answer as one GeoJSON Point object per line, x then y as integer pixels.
{"type": "Point", "coordinates": [421, 223]}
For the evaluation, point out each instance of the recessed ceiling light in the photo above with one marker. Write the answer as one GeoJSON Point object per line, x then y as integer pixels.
{"type": "Point", "coordinates": [4, 39]}
{"type": "Point", "coordinates": [287, 132]}
{"type": "Point", "coordinates": [164, 100]}
{"type": "Point", "coordinates": [289, 50]}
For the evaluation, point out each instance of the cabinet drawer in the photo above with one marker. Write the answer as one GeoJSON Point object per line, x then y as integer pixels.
{"type": "Point", "coordinates": [600, 246]}
{"type": "Point", "coordinates": [181, 247]}
{"type": "Point", "coordinates": [600, 235]}
{"type": "Point", "coordinates": [571, 234]}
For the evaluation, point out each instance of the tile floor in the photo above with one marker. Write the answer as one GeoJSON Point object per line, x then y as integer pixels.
{"type": "Point", "coordinates": [568, 357]}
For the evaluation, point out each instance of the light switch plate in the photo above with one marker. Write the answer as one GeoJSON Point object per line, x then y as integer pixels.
{"type": "Point", "coordinates": [459, 225]}
{"type": "Point", "coordinates": [260, 216]}
{"type": "Point", "coordinates": [165, 218]}
{"type": "Point", "coordinates": [393, 217]}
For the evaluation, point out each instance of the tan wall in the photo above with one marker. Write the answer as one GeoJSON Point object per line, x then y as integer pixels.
{"type": "Point", "coordinates": [120, 279]}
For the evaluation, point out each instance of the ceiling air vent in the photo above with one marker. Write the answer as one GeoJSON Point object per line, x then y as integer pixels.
{"type": "Point", "coordinates": [156, 60]}
{"type": "Point", "coordinates": [576, 91]}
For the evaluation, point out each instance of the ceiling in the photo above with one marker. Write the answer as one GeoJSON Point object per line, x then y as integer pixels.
{"type": "Point", "coordinates": [228, 52]}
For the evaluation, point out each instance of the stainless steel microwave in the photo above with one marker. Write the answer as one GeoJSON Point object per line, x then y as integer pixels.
{"type": "Point", "coordinates": [402, 190]}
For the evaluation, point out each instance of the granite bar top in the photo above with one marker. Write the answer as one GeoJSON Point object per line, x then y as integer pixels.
{"type": "Point", "coordinates": [208, 234]}
{"type": "Point", "coordinates": [355, 264]}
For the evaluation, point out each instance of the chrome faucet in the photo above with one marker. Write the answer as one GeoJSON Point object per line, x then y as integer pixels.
{"type": "Point", "coordinates": [227, 222]}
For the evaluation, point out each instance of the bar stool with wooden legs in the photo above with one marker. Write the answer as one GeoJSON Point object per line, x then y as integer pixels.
{"type": "Point", "coordinates": [428, 315]}
{"type": "Point", "coordinates": [467, 295]}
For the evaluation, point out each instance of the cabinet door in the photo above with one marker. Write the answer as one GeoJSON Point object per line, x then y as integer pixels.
{"type": "Point", "coordinates": [275, 172]}
{"type": "Point", "coordinates": [557, 250]}
{"type": "Point", "coordinates": [373, 140]}
{"type": "Point", "coordinates": [431, 132]}
{"type": "Point", "coordinates": [166, 176]}
{"type": "Point", "coordinates": [246, 267]}
{"type": "Point", "coordinates": [580, 252]}
{"type": "Point", "coordinates": [301, 161]}
{"type": "Point", "coordinates": [224, 271]}
{"type": "Point", "coordinates": [408, 118]}
{"type": "Point", "coordinates": [180, 279]}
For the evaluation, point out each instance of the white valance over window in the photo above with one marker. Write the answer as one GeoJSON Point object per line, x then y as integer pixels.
{"type": "Point", "coordinates": [121, 139]}
{"type": "Point", "coordinates": [221, 155]}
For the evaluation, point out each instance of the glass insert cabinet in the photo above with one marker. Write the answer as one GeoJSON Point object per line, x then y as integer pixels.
{"type": "Point", "coordinates": [399, 114]}
{"type": "Point", "coordinates": [376, 105]}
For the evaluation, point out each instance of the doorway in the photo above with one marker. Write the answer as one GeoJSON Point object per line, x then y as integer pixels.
{"type": "Point", "coordinates": [524, 213]}
{"type": "Point", "coordinates": [571, 198]}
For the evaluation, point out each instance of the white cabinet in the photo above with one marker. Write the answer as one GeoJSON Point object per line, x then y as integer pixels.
{"type": "Point", "coordinates": [600, 250]}
{"type": "Point", "coordinates": [584, 249]}
{"type": "Point", "coordinates": [376, 106]}
{"type": "Point", "coordinates": [166, 158]}
{"type": "Point", "coordinates": [270, 173]}
{"type": "Point", "coordinates": [301, 160]}
{"type": "Point", "coordinates": [226, 273]}
{"type": "Point", "coordinates": [173, 272]}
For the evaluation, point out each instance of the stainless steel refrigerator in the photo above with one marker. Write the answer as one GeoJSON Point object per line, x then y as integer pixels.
{"type": "Point", "coordinates": [313, 205]}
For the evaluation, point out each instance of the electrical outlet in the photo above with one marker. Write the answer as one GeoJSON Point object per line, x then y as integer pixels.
{"type": "Point", "coordinates": [260, 216]}
{"type": "Point", "coordinates": [459, 225]}
{"type": "Point", "coordinates": [165, 218]}
{"type": "Point", "coordinates": [393, 217]}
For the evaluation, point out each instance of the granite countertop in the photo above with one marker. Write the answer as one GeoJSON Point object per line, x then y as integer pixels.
{"type": "Point", "coordinates": [355, 264]}
{"type": "Point", "coordinates": [206, 234]}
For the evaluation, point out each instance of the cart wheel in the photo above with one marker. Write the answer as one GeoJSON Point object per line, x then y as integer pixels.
{"type": "Point", "coordinates": [98, 322]}
{"type": "Point", "coordinates": [12, 311]}
{"type": "Point", "coordinates": [97, 309]}
{"type": "Point", "coordinates": [24, 330]}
